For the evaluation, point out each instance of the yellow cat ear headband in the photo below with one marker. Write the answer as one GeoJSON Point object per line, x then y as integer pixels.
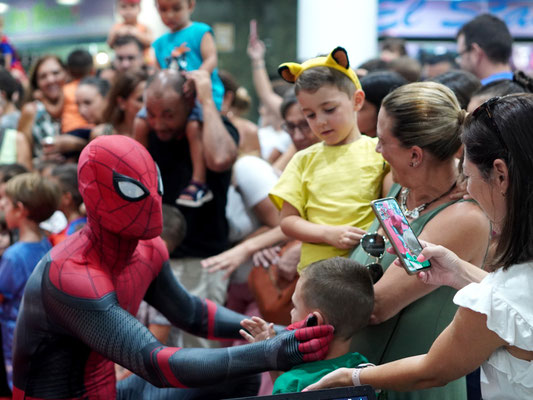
{"type": "Point", "coordinates": [337, 59]}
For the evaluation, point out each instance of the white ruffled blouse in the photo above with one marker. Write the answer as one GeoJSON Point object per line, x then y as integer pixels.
{"type": "Point", "coordinates": [506, 298]}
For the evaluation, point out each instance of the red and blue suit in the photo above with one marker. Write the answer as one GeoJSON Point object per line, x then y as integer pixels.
{"type": "Point", "coordinates": [77, 314]}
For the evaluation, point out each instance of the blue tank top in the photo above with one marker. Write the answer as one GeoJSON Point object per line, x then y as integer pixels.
{"type": "Point", "coordinates": [192, 37]}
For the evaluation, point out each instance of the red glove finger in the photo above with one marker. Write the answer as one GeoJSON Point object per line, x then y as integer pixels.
{"type": "Point", "coordinates": [314, 342]}
{"type": "Point", "coordinates": [318, 354]}
{"type": "Point", "coordinates": [314, 332]}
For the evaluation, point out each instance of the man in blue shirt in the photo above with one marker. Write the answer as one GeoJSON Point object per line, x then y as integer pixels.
{"type": "Point", "coordinates": [485, 46]}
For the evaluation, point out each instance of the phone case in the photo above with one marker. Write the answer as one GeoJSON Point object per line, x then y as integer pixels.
{"type": "Point", "coordinates": [400, 234]}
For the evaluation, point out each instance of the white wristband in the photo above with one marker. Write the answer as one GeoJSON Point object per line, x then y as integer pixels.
{"type": "Point", "coordinates": [357, 371]}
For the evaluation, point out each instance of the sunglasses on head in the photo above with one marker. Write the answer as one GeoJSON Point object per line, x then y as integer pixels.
{"type": "Point", "coordinates": [487, 109]}
{"type": "Point", "coordinates": [374, 245]}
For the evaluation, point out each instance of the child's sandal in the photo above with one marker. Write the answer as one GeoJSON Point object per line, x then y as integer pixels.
{"type": "Point", "coordinates": [199, 193]}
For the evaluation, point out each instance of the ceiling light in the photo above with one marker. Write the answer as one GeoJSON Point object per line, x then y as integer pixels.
{"type": "Point", "coordinates": [102, 58]}
{"type": "Point", "coordinates": [68, 2]}
{"type": "Point", "coordinates": [3, 8]}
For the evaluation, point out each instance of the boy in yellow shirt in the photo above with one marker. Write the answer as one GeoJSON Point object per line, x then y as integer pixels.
{"type": "Point", "coordinates": [324, 193]}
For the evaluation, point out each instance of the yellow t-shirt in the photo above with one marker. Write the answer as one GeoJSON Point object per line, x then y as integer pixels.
{"type": "Point", "coordinates": [332, 185]}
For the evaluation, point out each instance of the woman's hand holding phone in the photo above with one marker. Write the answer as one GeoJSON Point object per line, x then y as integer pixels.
{"type": "Point", "coordinates": [447, 269]}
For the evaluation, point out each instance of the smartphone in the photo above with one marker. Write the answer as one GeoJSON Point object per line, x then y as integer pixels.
{"type": "Point", "coordinates": [400, 234]}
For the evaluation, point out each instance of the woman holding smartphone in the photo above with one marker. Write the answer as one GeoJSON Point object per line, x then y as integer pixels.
{"type": "Point", "coordinates": [418, 129]}
{"type": "Point", "coordinates": [493, 327]}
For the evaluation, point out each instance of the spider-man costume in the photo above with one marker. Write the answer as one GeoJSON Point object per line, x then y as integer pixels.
{"type": "Point", "coordinates": [77, 312]}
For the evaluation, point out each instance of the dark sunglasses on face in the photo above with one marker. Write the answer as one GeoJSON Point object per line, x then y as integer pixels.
{"type": "Point", "coordinates": [374, 245]}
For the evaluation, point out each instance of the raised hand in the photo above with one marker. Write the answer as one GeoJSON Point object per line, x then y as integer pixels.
{"type": "Point", "coordinates": [258, 330]}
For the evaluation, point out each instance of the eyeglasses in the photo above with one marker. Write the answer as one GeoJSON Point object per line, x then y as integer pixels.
{"type": "Point", "coordinates": [374, 245]}
{"type": "Point", "coordinates": [487, 109]}
{"type": "Point", "coordinates": [462, 53]}
{"type": "Point", "coordinates": [289, 127]}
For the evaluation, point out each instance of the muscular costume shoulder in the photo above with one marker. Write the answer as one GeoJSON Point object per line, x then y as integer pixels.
{"type": "Point", "coordinates": [78, 269]}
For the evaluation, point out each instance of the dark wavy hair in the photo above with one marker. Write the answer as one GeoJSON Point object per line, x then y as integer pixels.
{"type": "Point", "coordinates": [507, 134]}
{"type": "Point", "coordinates": [124, 85]}
{"type": "Point", "coordinates": [35, 69]}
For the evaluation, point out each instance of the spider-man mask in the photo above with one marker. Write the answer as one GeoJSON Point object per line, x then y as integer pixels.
{"type": "Point", "coordinates": [121, 187]}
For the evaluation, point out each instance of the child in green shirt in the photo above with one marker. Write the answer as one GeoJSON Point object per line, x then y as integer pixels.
{"type": "Point", "coordinates": [336, 291]}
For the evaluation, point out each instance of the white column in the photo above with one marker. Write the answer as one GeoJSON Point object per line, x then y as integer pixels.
{"type": "Point", "coordinates": [326, 24]}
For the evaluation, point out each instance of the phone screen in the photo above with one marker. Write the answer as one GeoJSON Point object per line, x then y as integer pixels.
{"type": "Point", "coordinates": [400, 234]}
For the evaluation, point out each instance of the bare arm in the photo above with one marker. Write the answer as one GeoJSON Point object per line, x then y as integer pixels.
{"type": "Point", "coordinates": [23, 151]}
{"type": "Point", "coordinates": [462, 228]}
{"type": "Point", "coordinates": [294, 226]}
{"type": "Point", "coordinates": [263, 87]}
{"type": "Point", "coordinates": [231, 259]}
{"type": "Point", "coordinates": [284, 159]}
{"type": "Point", "coordinates": [208, 50]}
{"type": "Point", "coordinates": [462, 347]}
{"type": "Point", "coordinates": [26, 121]}
{"type": "Point", "coordinates": [267, 213]}
{"type": "Point", "coordinates": [220, 150]}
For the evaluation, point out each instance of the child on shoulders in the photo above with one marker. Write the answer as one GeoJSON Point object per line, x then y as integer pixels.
{"type": "Point", "coordinates": [190, 46]}
{"type": "Point", "coordinates": [29, 199]}
{"type": "Point", "coordinates": [325, 191]}
{"type": "Point", "coordinates": [337, 291]}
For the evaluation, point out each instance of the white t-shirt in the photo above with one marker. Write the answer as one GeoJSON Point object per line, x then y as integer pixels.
{"type": "Point", "coordinates": [506, 298]}
{"type": "Point", "coordinates": [253, 178]}
{"type": "Point", "coordinates": [270, 139]}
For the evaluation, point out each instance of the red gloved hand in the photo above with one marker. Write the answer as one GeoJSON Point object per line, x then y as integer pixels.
{"type": "Point", "coordinates": [314, 341]}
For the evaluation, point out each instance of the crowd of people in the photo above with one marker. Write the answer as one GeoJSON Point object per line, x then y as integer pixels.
{"type": "Point", "coordinates": [155, 243]}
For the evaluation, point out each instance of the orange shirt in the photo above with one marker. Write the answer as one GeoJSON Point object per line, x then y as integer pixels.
{"type": "Point", "coordinates": [70, 117]}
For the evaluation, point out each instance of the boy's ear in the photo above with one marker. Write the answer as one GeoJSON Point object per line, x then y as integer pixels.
{"type": "Point", "coordinates": [319, 317]}
{"type": "Point", "coordinates": [21, 208]}
{"type": "Point", "coordinates": [359, 99]}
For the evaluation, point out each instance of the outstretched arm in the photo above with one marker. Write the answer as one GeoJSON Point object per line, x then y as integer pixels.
{"type": "Point", "coordinates": [263, 87]}
{"type": "Point", "coordinates": [113, 332]}
{"type": "Point", "coordinates": [200, 317]}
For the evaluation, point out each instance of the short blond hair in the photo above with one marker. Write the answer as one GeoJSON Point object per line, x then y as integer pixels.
{"type": "Point", "coordinates": [40, 196]}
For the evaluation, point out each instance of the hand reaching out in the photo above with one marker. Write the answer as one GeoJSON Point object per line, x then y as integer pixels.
{"type": "Point", "coordinates": [258, 329]}
{"type": "Point", "coordinates": [288, 262]}
{"type": "Point", "coordinates": [228, 261]}
{"type": "Point", "coordinates": [266, 257]}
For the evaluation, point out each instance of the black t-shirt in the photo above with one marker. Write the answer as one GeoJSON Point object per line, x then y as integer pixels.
{"type": "Point", "coordinates": [207, 227]}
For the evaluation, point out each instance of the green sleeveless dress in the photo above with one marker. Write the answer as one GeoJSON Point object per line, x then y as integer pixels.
{"type": "Point", "coordinates": [414, 329]}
